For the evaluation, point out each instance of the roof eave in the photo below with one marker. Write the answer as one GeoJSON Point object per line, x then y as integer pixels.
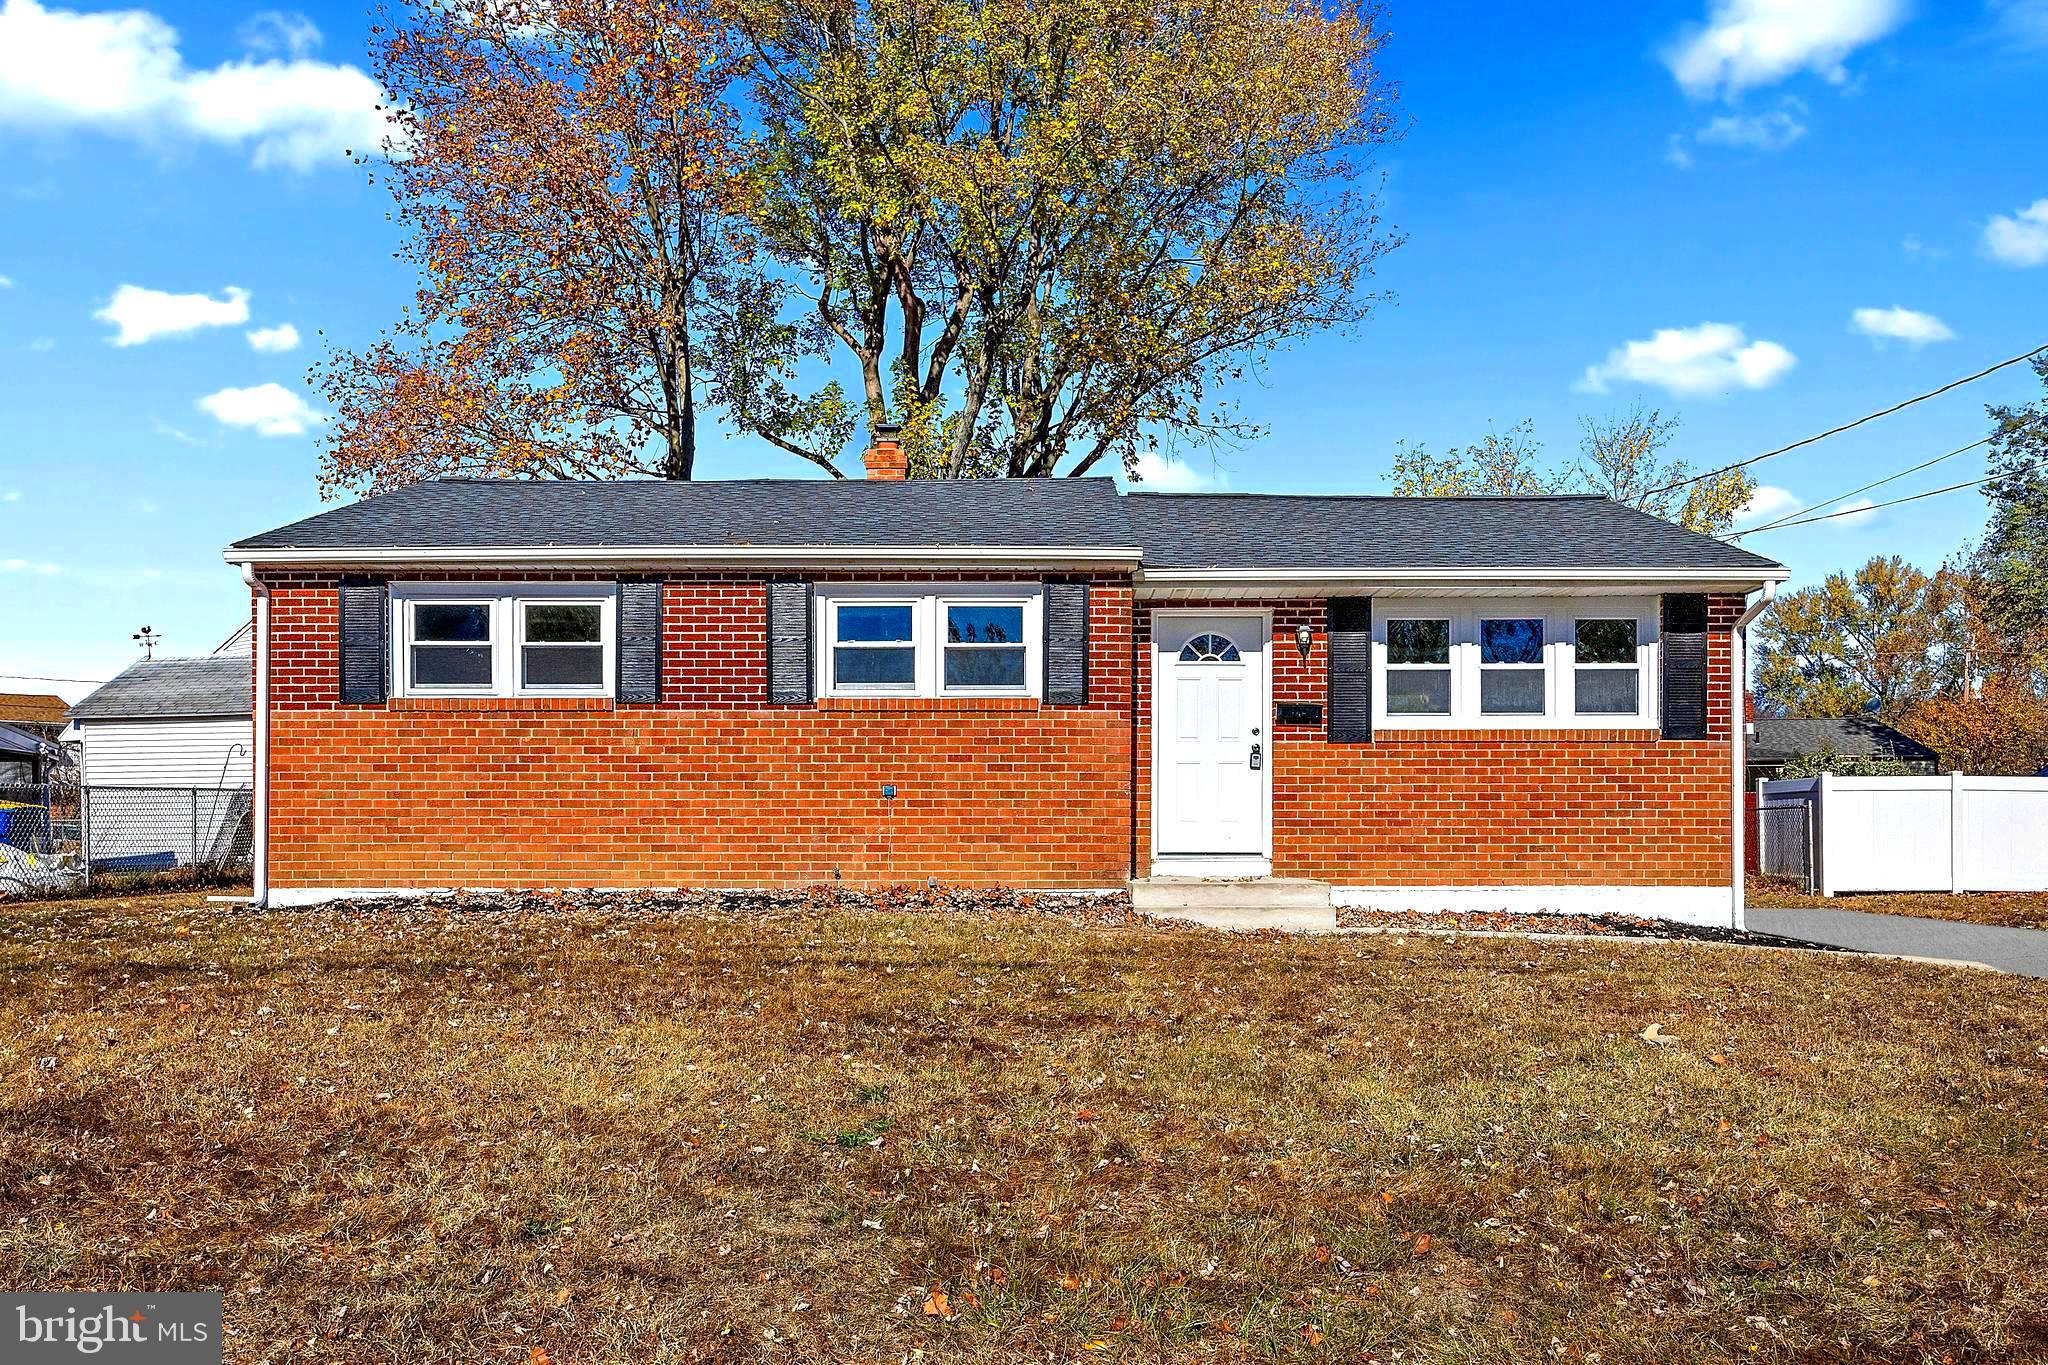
{"type": "Point", "coordinates": [697, 556]}
{"type": "Point", "coordinates": [1410, 581]}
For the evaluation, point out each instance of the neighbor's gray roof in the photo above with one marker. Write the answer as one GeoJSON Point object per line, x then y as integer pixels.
{"type": "Point", "coordinates": [1779, 738]}
{"type": "Point", "coordinates": [770, 513]}
{"type": "Point", "coordinates": [165, 688]}
{"type": "Point", "coordinates": [1276, 531]}
{"type": "Point", "coordinates": [13, 741]}
{"type": "Point", "coordinates": [1174, 531]}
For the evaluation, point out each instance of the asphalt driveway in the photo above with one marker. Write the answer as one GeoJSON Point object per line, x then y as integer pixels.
{"type": "Point", "coordinates": [2023, 952]}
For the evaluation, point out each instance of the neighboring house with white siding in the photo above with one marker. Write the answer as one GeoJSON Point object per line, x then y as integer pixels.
{"type": "Point", "coordinates": [166, 758]}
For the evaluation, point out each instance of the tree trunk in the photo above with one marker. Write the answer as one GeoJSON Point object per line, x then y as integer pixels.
{"type": "Point", "coordinates": [682, 442]}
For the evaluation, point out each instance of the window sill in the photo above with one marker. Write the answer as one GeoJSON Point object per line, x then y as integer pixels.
{"type": "Point", "coordinates": [500, 704]}
{"type": "Point", "coordinates": [1612, 734]}
{"type": "Point", "coordinates": [928, 703]}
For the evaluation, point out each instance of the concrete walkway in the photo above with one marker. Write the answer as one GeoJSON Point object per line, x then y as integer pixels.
{"type": "Point", "coordinates": [2021, 951]}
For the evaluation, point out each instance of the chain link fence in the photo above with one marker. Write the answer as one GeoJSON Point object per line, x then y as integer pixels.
{"type": "Point", "coordinates": [55, 840]}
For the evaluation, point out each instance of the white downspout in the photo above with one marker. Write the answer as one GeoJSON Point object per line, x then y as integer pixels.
{"type": "Point", "coordinates": [1738, 675]}
{"type": "Point", "coordinates": [259, 851]}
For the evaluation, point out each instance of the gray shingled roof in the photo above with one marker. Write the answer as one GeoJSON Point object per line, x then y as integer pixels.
{"type": "Point", "coordinates": [21, 742]}
{"type": "Point", "coordinates": [165, 688]}
{"type": "Point", "coordinates": [1174, 530]}
{"type": "Point", "coordinates": [1280, 531]}
{"type": "Point", "coordinates": [776, 513]}
{"type": "Point", "coordinates": [1779, 738]}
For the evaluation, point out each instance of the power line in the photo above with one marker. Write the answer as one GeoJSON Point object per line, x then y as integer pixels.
{"type": "Point", "coordinates": [1849, 426]}
{"type": "Point", "coordinates": [1859, 511]}
{"type": "Point", "coordinates": [1874, 483]}
{"type": "Point", "coordinates": [37, 677]}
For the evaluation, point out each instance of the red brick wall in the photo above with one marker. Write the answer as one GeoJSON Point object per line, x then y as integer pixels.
{"type": "Point", "coordinates": [711, 787]}
{"type": "Point", "coordinates": [716, 787]}
{"type": "Point", "coordinates": [1482, 807]}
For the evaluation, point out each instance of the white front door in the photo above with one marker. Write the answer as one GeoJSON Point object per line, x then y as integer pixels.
{"type": "Point", "coordinates": [1210, 727]}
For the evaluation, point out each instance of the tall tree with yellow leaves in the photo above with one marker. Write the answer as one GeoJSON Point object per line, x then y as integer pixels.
{"type": "Point", "coordinates": [1048, 232]}
{"type": "Point", "coordinates": [573, 189]}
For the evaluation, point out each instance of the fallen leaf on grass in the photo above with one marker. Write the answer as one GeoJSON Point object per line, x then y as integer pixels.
{"type": "Point", "coordinates": [1718, 1060]}
{"type": "Point", "coordinates": [1087, 1115]}
{"type": "Point", "coordinates": [1422, 1245]}
{"type": "Point", "coordinates": [935, 1305]}
{"type": "Point", "coordinates": [1322, 1254]}
{"type": "Point", "coordinates": [1311, 1334]}
{"type": "Point", "coordinates": [1655, 1034]}
{"type": "Point", "coordinates": [537, 1357]}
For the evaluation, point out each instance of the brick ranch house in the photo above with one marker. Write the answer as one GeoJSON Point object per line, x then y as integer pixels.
{"type": "Point", "coordinates": [1518, 703]}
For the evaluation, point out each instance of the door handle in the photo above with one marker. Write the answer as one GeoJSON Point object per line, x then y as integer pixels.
{"type": "Point", "coordinates": [1258, 758]}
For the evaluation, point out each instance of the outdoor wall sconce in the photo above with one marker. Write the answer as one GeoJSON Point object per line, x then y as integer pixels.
{"type": "Point", "coordinates": [1303, 639]}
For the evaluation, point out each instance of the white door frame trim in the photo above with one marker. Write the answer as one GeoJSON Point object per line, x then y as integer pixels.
{"type": "Point", "coordinates": [1250, 865]}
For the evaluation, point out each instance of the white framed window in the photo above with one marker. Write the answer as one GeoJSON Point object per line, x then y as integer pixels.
{"type": "Point", "coordinates": [906, 640]}
{"type": "Point", "coordinates": [1607, 667]}
{"type": "Point", "coordinates": [1419, 679]}
{"type": "Point", "coordinates": [503, 640]}
{"type": "Point", "coordinates": [1515, 663]}
{"type": "Point", "coordinates": [1514, 677]}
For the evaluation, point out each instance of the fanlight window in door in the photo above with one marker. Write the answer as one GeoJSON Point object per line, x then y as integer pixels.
{"type": "Point", "coordinates": [1208, 649]}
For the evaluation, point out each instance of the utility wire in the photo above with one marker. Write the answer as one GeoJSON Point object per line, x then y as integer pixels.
{"type": "Point", "coordinates": [1874, 483]}
{"type": "Point", "coordinates": [1859, 511]}
{"type": "Point", "coordinates": [37, 677]}
{"type": "Point", "coordinates": [1848, 426]}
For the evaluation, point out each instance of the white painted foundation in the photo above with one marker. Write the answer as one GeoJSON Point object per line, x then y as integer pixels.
{"type": "Point", "coordinates": [1706, 905]}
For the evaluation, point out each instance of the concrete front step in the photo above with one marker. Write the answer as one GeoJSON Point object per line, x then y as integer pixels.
{"type": "Point", "coordinates": [1290, 903]}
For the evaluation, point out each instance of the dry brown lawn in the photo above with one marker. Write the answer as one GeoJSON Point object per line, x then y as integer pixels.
{"type": "Point", "coordinates": [2013, 909]}
{"type": "Point", "coordinates": [602, 1135]}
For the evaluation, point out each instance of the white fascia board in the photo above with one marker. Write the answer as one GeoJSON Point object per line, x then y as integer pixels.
{"type": "Point", "coordinates": [702, 556]}
{"type": "Point", "coordinates": [1422, 579]}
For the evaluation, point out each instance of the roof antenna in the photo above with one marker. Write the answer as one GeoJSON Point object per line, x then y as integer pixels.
{"type": "Point", "coordinates": [149, 640]}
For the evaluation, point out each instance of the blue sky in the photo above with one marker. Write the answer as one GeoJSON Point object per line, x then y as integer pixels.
{"type": "Point", "coordinates": [1686, 204]}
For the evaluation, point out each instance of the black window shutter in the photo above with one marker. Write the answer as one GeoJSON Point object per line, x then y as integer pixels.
{"type": "Point", "coordinates": [789, 643]}
{"type": "Point", "coordinates": [1066, 644]}
{"type": "Point", "coordinates": [1349, 641]}
{"type": "Point", "coordinates": [365, 652]}
{"type": "Point", "coordinates": [1684, 650]}
{"type": "Point", "coordinates": [639, 676]}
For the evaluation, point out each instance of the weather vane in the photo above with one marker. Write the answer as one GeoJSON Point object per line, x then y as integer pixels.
{"type": "Point", "coordinates": [148, 639]}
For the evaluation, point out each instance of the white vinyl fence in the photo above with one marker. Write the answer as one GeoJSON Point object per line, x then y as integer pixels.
{"type": "Point", "coordinates": [1953, 833]}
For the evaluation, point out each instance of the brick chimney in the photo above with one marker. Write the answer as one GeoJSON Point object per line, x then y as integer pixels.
{"type": "Point", "coordinates": [885, 458]}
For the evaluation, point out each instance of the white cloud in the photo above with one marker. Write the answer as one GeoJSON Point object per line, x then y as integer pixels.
{"type": "Point", "coordinates": [1750, 43]}
{"type": "Point", "coordinates": [43, 344]}
{"type": "Point", "coordinates": [1164, 474]}
{"type": "Point", "coordinates": [266, 409]}
{"type": "Point", "coordinates": [1767, 503]}
{"type": "Point", "coordinates": [11, 495]}
{"type": "Point", "coordinates": [39, 566]}
{"type": "Point", "coordinates": [277, 340]}
{"type": "Point", "coordinates": [146, 314]}
{"type": "Point", "coordinates": [1919, 250]}
{"type": "Point", "coordinates": [2020, 239]}
{"type": "Point", "coordinates": [1768, 132]}
{"type": "Point", "coordinates": [1858, 513]}
{"type": "Point", "coordinates": [2024, 22]}
{"type": "Point", "coordinates": [277, 31]}
{"type": "Point", "coordinates": [120, 71]}
{"type": "Point", "coordinates": [1901, 324]}
{"type": "Point", "coordinates": [1676, 152]}
{"type": "Point", "coordinates": [1711, 358]}
{"type": "Point", "coordinates": [6, 283]}
{"type": "Point", "coordinates": [163, 428]}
